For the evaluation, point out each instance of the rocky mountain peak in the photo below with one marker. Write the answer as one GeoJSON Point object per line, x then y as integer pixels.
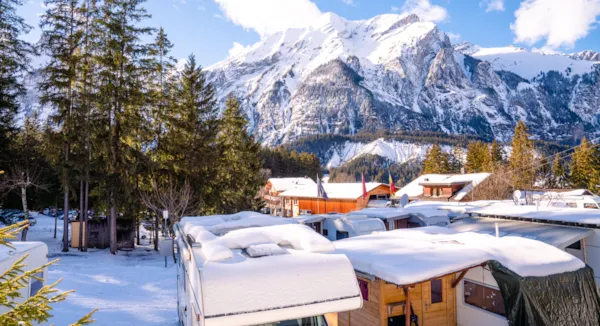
{"type": "Point", "coordinates": [396, 72]}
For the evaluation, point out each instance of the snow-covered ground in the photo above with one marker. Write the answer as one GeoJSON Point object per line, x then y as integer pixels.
{"type": "Point", "coordinates": [130, 288]}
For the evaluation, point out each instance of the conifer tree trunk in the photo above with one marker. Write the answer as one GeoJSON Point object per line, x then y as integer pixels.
{"type": "Point", "coordinates": [66, 209]}
{"type": "Point", "coordinates": [25, 211]}
{"type": "Point", "coordinates": [81, 204]}
{"type": "Point", "coordinates": [55, 216]}
{"type": "Point", "coordinates": [85, 214]}
{"type": "Point", "coordinates": [113, 229]}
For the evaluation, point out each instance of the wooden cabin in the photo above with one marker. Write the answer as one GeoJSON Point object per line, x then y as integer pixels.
{"type": "Point", "coordinates": [342, 198]}
{"type": "Point", "coordinates": [385, 304]}
{"type": "Point", "coordinates": [442, 187]}
{"type": "Point", "coordinates": [275, 186]}
{"type": "Point", "coordinates": [432, 275]}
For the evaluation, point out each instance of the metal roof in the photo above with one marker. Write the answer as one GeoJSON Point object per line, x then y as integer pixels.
{"type": "Point", "coordinates": [555, 235]}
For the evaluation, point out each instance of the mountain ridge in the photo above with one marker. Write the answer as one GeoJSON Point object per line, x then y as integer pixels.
{"type": "Point", "coordinates": [397, 73]}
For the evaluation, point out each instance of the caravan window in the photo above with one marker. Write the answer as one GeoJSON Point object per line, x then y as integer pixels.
{"type": "Point", "coordinates": [36, 285]}
{"type": "Point", "coordinates": [483, 297]}
{"type": "Point", "coordinates": [341, 235]}
{"type": "Point", "coordinates": [590, 205]}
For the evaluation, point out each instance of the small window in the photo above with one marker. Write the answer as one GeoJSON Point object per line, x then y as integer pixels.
{"type": "Point", "coordinates": [341, 235]}
{"type": "Point", "coordinates": [572, 205]}
{"type": "Point", "coordinates": [575, 245]}
{"type": "Point", "coordinates": [325, 233]}
{"type": "Point", "coordinates": [483, 297]}
{"type": "Point", "coordinates": [364, 289]}
{"type": "Point", "coordinates": [589, 205]}
{"type": "Point", "coordinates": [36, 285]}
{"type": "Point", "coordinates": [295, 201]}
{"type": "Point", "coordinates": [373, 197]}
{"type": "Point", "coordinates": [436, 291]}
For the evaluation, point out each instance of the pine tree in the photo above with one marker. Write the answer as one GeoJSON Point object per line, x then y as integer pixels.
{"type": "Point", "coordinates": [436, 160]}
{"type": "Point", "coordinates": [122, 97]}
{"type": "Point", "coordinates": [238, 176]}
{"type": "Point", "coordinates": [36, 309]}
{"type": "Point", "coordinates": [585, 171]}
{"type": "Point", "coordinates": [558, 173]}
{"type": "Point", "coordinates": [496, 158]}
{"type": "Point", "coordinates": [60, 40]}
{"type": "Point", "coordinates": [478, 157]}
{"type": "Point", "coordinates": [14, 62]}
{"type": "Point", "coordinates": [521, 158]}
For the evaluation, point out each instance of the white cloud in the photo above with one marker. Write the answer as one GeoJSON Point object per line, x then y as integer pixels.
{"type": "Point", "coordinates": [546, 50]}
{"type": "Point", "coordinates": [270, 16]}
{"type": "Point", "coordinates": [560, 23]}
{"type": "Point", "coordinates": [349, 2]}
{"type": "Point", "coordinates": [453, 36]}
{"type": "Point", "coordinates": [237, 49]}
{"type": "Point", "coordinates": [425, 10]}
{"type": "Point", "coordinates": [492, 5]}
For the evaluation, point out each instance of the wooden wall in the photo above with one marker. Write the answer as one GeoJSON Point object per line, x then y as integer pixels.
{"type": "Point", "coordinates": [381, 293]}
{"type": "Point", "coordinates": [321, 206]}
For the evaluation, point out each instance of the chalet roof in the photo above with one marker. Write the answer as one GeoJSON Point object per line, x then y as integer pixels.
{"type": "Point", "coordinates": [409, 256]}
{"type": "Point", "coordinates": [554, 235]}
{"type": "Point", "coordinates": [415, 187]}
{"type": "Point", "coordinates": [283, 184]}
{"type": "Point", "coordinates": [334, 190]}
{"type": "Point", "coordinates": [240, 285]}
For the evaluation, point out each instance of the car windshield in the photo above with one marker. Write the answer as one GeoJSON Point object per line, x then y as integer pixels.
{"type": "Point", "coordinates": [310, 321]}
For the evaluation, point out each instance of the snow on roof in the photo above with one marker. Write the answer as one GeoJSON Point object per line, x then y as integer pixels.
{"type": "Point", "coordinates": [221, 224]}
{"type": "Point", "coordinates": [333, 190]}
{"type": "Point", "coordinates": [383, 213]}
{"type": "Point", "coordinates": [415, 188]}
{"type": "Point", "coordinates": [283, 184]}
{"type": "Point", "coordinates": [19, 248]}
{"type": "Point", "coordinates": [554, 235]}
{"type": "Point", "coordinates": [296, 280]}
{"type": "Point", "coordinates": [555, 214]}
{"type": "Point", "coordinates": [409, 256]}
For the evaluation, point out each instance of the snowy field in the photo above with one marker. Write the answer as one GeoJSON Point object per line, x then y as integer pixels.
{"type": "Point", "coordinates": [130, 288]}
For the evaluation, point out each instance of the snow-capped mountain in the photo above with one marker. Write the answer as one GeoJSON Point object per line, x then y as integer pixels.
{"type": "Point", "coordinates": [395, 151]}
{"type": "Point", "coordinates": [398, 73]}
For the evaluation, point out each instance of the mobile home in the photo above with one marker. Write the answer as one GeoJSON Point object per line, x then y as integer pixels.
{"type": "Point", "coordinates": [419, 277]}
{"type": "Point", "coordinates": [587, 220]}
{"type": "Point", "coordinates": [37, 255]}
{"type": "Point", "coordinates": [254, 269]}
{"type": "Point", "coordinates": [342, 226]}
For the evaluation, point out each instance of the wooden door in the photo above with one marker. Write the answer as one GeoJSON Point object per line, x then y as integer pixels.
{"type": "Point", "coordinates": [435, 303]}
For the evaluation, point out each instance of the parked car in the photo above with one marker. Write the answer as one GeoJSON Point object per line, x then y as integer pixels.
{"type": "Point", "coordinates": [21, 217]}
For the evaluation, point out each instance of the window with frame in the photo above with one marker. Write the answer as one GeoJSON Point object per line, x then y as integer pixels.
{"type": "Point", "coordinates": [483, 297]}
{"type": "Point", "coordinates": [436, 291]}
{"type": "Point", "coordinates": [590, 205]}
{"type": "Point", "coordinates": [295, 201]}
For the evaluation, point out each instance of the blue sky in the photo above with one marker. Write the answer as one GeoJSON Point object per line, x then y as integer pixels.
{"type": "Point", "coordinates": [209, 28]}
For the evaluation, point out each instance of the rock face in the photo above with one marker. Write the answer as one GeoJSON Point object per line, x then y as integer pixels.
{"type": "Point", "coordinates": [398, 73]}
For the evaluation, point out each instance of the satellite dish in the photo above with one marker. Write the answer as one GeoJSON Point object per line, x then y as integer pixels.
{"type": "Point", "coordinates": [517, 196]}
{"type": "Point", "coordinates": [404, 200]}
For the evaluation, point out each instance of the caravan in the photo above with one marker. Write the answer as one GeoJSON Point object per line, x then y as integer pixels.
{"type": "Point", "coordinates": [37, 255]}
{"type": "Point", "coordinates": [255, 269]}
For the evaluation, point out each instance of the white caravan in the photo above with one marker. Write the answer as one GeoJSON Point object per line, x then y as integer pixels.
{"type": "Point", "coordinates": [255, 269]}
{"type": "Point", "coordinates": [37, 255]}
